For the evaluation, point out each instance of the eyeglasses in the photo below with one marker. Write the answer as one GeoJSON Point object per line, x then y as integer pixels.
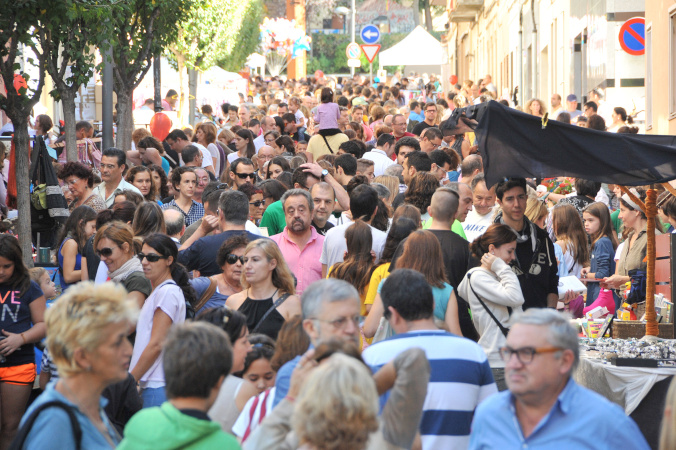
{"type": "Point", "coordinates": [257, 203]}
{"type": "Point", "coordinates": [105, 252]}
{"type": "Point", "coordinates": [244, 176]}
{"type": "Point", "coordinates": [341, 322]}
{"type": "Point", "coordinates": [525, 355]}
{"type": "Point", "coordinates": [72, 181]}
{"type": "Point", "coordinates": [430, 110]}
{"type": "Point", "coordinates": [231, 258]}
{"type": "Point", "coordinates": [151, 257]}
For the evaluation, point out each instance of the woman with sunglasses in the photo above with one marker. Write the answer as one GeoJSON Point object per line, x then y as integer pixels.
{"type": "Point", "coordinates": [227, 283]}
{"type": "Point", "coordinates": [114, 244]}
{"type": "Point", "coordinates": [268, 299]}
{"type": "Point", "coordinates": [165, 306]}
{"type": "Point", "coordinates": [256, 201]}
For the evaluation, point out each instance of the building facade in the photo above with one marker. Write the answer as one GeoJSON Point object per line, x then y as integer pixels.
{"type": "Point", "coordinates": [660, 62]}
{"type": "Point", "coordinates": [548, 46]}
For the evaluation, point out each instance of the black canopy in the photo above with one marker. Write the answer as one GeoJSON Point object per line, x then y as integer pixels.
{"type": "Point", "coordinates": [515, 144]}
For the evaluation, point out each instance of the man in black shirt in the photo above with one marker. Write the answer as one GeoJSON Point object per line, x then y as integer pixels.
{"type": "Point", "coordinates": [430, 118]}
{"type": "Point", "coordinates": [290, 128]}
{"type": "Point", "coordinates": [535, 265]}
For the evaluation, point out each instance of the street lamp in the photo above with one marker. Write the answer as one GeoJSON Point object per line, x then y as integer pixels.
{"type": "Point", "coordinates": [343, 11]}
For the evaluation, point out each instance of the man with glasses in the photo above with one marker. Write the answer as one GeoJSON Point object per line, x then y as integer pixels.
{"type": "Point", "coordinates": [544, 407]}
{"type": "Point", "coordinates": [113, 166]}
{"type": "Point", "coordinates": [242, 171]}
{"type": "Point", "coordinates": [430, 118]}
{"type": "Point", "coordinates": [430, 139]}
{"type": "Point", "coordinates": [202, 181]}
{"type": "Point", "coordinates": [399, 127]}
{"type": "Point", "coordinates": [460, 376]}
{"type": "Point", "coordinates": [330, 311]}
{"type": "Point", "coordinates": [299, 242]}
{"type": "Point", "coordinates": [264, 155]}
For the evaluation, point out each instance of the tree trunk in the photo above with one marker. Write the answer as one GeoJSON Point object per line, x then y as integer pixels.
{"type": "Point", "coordinates": [416, 12]}
{"type": "Point", "coordinates": [192, 100]}
{"type": "Point", "coordinates": [428, 16]}
{"type": "Point", "coordinates": [184, 89]}
{"type": "Point", "coordinates": [125, 120]}
{"type": "Point", "coordinates": [68, 104]}
{"type": "Point", "coordinates": [21, 167]}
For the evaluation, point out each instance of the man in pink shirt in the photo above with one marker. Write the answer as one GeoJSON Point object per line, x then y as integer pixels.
{"type": "Point", "coordinates": [300, 243]}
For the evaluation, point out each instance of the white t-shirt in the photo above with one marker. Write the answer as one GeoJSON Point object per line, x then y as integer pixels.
{"type": "Point", "coordinates": [475, 224]}
{"type": "Point", "coordinates": [380, 161]}
{"type": "Point", "coordinates": [206, 156]}
{"type": "Point", "coordinates": [233, 156]}
{"type": "Point", "coordinates": [259, 142]}
{"type": "Point", "coordinates": [213, 151]}
{"type": "Point", "coordinates": [300, 118]}
{"type": "Point", "coordinates": [335, 246]}
{"type": "Point", "coordinates": [169, 298]}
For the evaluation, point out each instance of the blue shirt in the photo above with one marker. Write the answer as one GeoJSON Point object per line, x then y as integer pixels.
{"type": "Point", "coordinates": [602, 264]}
{"type": "Point", "coordinates": [580, 418]}
{"type": "Point", "coordinates": [202, 254]}
{"type": "Point", "coordinates": [52, 427]}
{"type": "Point", "coordinates": [195, 213]}
{"type": "Point", "coordinates": [283, 380]}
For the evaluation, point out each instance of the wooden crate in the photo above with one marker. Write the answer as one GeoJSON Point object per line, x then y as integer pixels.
{"type": "Point", "coordinates": [625, 329]}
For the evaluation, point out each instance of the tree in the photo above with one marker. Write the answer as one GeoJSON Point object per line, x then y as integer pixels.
{"type": "Point", "coordinates": [68, 42]}
{"type": "Point", "coordinates": [16, 22]}
{"type": "Point", "coordinates": [245, 41]}
{"type": "Point", "coordinates": [143, 28]}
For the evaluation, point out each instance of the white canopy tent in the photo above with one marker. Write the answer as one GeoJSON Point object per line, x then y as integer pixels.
{"type": "Point", "coordinates": [419, 48]}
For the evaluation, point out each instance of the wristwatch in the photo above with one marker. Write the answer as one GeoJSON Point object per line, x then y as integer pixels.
{"type": "Point", "coordinates": [324, 174]}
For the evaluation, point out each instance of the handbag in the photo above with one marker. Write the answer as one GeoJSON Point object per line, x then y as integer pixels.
{"type": "Point", "coordinates": [39, 196]}
{"type": "Point", "coordinates": [638, 286]}
{"type": "Point", "coordinates": [503, 329]}
{"type": "Point", "coordinates": [383, 332]}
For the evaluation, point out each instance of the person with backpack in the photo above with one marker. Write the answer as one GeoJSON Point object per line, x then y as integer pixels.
{"type": "Point", "coordinates": [169, 303]}
{"type": "Point", "coordinates": [87, 339]}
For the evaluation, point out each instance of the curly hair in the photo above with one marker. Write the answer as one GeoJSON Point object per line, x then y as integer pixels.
{"type": "Point", "coordinates": [79, 170]}
{"type": "Point", "coordinates": [164, 190]}
{"type": "Point", "coordinates": [420, 190]}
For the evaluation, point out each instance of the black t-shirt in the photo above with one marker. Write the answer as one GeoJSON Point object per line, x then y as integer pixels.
{"type": "Point", "coordinates": [93, 259]}
{"type": "Point", "coordinates": [323, 229]}
{"type": "Point", "coordinates": [536, 270]}
{"type": "Point", "coordinates": [398, 200]}
{"type": "Point", "coordinates": [16, 318]}
{"type": "Point", "coordinates": [418, 129]}
{"type": "Point", "coordinates": [298, 136]}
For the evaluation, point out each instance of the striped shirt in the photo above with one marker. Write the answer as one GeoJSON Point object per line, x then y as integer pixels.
{"type": "Point", "coordinates": [460, 379]}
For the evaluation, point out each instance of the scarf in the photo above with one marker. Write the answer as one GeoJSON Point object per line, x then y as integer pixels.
{"type": "Point", "coordinates": [119, 275]}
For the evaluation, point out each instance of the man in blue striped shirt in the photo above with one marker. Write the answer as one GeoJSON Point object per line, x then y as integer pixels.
{"type": "Point", "coordinates": [460, 377]}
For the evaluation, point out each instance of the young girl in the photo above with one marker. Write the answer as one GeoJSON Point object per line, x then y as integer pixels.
{"type": "Point", "coordinates": [41, 277]}
{"type": "Point", "coordinates": [257, 368]}
{"type": "Point", "coordinates": [598, 226]}
{"type": "Point", "coordinates": [327, 114]}
{"type": "Point", "coordinates": [571, 240]}
{"type": "Point", "coordinates": [79, 227]}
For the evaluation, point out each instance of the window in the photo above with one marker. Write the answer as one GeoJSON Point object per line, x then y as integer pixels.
{"type": "Point", "coordinates": [649, 78]}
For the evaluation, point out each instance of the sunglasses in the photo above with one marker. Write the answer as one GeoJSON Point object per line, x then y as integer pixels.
{"type": "Point", "coordinates": [231, 258]}
{"type": "Point", "coordinates": [257, 203]}
{"type": "Point", "coordinates": [244, 176]}
{"type": "Point", "coordinates": [106, 252]}
{"type": "Point", "coordinates": [151, 257]}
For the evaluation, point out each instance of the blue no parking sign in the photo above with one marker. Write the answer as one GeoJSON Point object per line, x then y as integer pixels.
{"type": "Point", "coordinates": [632, 36]}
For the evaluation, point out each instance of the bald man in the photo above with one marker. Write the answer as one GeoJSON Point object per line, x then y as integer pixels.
{"type": "Point", "coordinates": [175, 224]}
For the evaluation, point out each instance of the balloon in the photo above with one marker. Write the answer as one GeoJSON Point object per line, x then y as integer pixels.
{"type": "Point", "coordinates": [160, 126]}
{"type": "Point", "coordinates": [454, 80]}
{"type": "Point", "coordinates": [19, 82]}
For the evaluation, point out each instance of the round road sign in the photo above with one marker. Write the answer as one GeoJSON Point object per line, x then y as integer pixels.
{"type": "Point", "coordinates": [632, 36]}
{"type": "Point", "coordinates": [353, 50]}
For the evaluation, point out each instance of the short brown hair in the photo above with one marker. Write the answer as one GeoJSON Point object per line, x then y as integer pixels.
{"type": "Point", "coordinates": [196, 356]}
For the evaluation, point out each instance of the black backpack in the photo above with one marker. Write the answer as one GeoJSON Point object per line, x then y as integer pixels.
{"type": "Point", "coordinates": [21, 436]}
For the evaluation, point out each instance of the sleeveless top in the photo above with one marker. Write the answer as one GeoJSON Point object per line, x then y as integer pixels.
{"type": "Point", "coordinates": [78, 266]}
{"type": "Point", "coordinates": [254, 310]}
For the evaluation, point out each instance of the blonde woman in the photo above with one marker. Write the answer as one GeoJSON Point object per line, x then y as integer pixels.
{"type": "Point", "coordinates": [268, 298]}
{"type": "Point", "coordinates": [87, 340]}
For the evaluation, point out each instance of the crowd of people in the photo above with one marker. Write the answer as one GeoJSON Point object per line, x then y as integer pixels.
{"type": "Point", "coordinates": [323, 266]}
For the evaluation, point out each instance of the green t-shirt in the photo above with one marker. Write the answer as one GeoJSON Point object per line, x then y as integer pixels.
{"type": "Point", "coordinates": [617, 223]}
{"type": "Point", "coordinates": [456, 227]}
{"type": "Point", "coordinates": [273, 218]}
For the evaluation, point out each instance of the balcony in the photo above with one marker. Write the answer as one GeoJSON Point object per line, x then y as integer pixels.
{"type": "Point", "coordinates": [464, 10]}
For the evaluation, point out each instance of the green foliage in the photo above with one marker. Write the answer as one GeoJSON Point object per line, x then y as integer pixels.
{"type": "Point", "coordinates": [328, 52]}
{"type": "Point", "coordinates": [246, 40]}
{"type": "Point", "coordinates": [143, 28]}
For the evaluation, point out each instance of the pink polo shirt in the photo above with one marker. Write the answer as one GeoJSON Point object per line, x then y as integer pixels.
{"type": "Point", "coordinates": [304, 263]}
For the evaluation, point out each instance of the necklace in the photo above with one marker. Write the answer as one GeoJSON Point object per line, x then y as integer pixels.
{"type": "Point", "coordinates": [97, 422]}
{"type": "Point", "coordinates": [225, 280]}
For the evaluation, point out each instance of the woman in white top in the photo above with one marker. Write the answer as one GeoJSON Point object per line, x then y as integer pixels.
{"type": "Point", "coordinates": [206, 136]}
{"type": "Point", "coordinates": [165, 306]}
{"type": "Point", "coordinates": [493, 289]}
{"type": "Point", "coordinates": [244, 145]}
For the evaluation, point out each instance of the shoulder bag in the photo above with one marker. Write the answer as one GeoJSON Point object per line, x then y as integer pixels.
{"type": "Point", "coordinates": [504, 329]}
